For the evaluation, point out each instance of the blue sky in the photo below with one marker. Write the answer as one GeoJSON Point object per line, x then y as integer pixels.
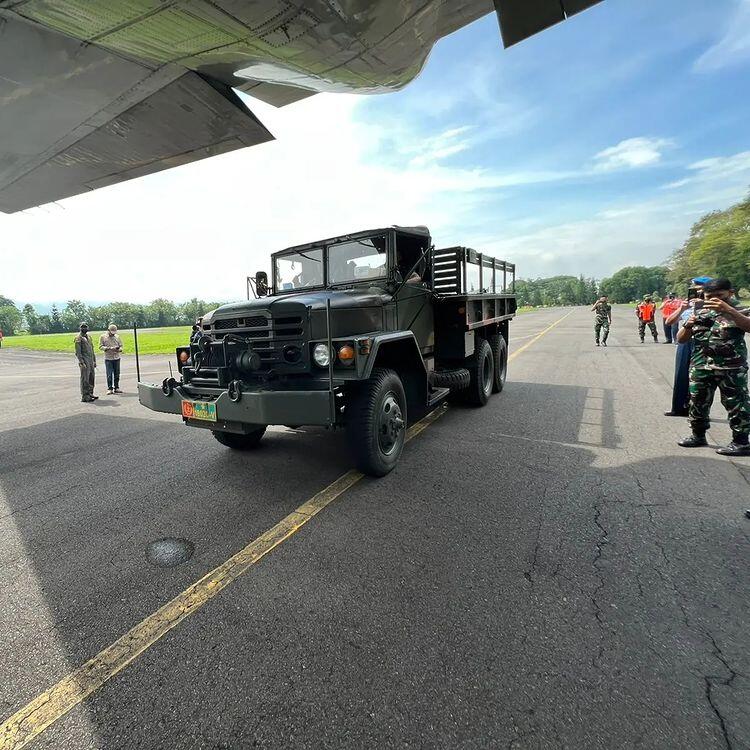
{"type": "Point", "coordinates": [593, 117]}
{"type": "Point", "coordinates": [591, 146]}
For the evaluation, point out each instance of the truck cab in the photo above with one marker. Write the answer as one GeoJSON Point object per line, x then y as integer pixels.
{"type": "Point", "coordinates": [365, 332]}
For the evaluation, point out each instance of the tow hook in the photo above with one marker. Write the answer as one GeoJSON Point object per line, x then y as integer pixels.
{"type": "Point", "coordinates": [235, 391]}
{"type": "Point", "coordinates": [168, 385]}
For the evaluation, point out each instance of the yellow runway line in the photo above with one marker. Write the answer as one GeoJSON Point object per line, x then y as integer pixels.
{"type": "Point", "coordinates": [538, 336]}
{"type": "Point", "coordinates": [31, 720]}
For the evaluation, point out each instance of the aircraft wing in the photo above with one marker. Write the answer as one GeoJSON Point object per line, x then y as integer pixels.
{"type": "Point", "coordinates": [93, 92]}
{"type": "Point", "coordinates": [86, 118]}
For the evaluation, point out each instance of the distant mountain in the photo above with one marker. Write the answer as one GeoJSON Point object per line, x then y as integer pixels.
{"type": "Point", "coordinates": [45, 308]}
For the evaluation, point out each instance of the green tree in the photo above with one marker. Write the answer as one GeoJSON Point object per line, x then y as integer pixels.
{"type": "Point", "coordinates": [6, 302]}
{"type": "Point", "coordinates": [10, 319]}
{"type": "Point", "coordinates": [75, 312]}
{"type": "Point", "coordinates": [190, 311]}
{"type": "Point", "coordinates": [44, 324]}
{"type": "Point", "coordinates": [718, 246]}
{"type": "Point", "coordinates": [31, 319]}
{"type": "Point", "coordinates": [160, 313]}
{"type": "Point", "coordinates": [56, 324]}
{"type": "Point", "coordinates": [633, 282]}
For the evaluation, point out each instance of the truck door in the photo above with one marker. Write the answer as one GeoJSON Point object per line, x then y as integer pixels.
{"type": "Point", "coordinates": [414, 311]}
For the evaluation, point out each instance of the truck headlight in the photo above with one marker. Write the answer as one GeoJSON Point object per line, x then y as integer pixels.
{"type": "Point", "coordinates": [321, 355]}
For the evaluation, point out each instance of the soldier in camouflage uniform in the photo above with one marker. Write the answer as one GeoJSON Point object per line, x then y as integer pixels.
{"type": "Point", "coordinates": [719, 361]}
{"type": "Point", "coordinates": [603, 319]}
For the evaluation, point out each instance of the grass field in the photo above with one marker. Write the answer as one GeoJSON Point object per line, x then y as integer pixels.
{"type": "Point", "coordinates": [150, 340]}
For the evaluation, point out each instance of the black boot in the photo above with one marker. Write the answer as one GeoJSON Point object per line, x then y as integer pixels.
{"type": "Point", "coordinates": [740, 446]}
{"type": "Point", "coordinates": [696, 440]}
{"type": "Point", "coordinates": [672, 413]}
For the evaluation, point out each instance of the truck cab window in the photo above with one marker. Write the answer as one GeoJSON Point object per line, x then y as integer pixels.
{"type": "Point", "coordinates": [299, 270]}
{"type": "Point", "coordinates": [359, 260]}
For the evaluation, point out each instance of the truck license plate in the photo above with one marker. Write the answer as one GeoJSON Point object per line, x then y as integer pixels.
{"type": "Point", "coordinates": [199, 410]}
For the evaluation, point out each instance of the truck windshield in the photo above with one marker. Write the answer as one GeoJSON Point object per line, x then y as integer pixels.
{"type": "Point", "coordinates": [300, 270]}
{"type": "Point", "coordinates": [357, 260]}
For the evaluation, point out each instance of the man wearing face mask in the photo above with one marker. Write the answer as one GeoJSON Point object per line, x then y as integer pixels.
{"type": "Point", "coordinates": [87, 363]}
{"type": "Point", "coordinates": [111, 344]}
{"type": "Point", "coordinates": [719, 360]}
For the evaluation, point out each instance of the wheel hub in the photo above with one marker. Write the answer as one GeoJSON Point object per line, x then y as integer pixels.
{"type": "Point", "coordinates": [390, 424]}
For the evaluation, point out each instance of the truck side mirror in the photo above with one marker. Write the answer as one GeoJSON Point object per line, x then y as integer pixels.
{"type": "Point", "coordinates": [261, 283]}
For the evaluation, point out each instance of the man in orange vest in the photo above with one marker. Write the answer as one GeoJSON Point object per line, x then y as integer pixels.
{"type": "Point", "coordinates": [646, 313]}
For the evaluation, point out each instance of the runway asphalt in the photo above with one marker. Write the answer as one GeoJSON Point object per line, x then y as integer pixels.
{"type": "Point", "coordinates": [551, 571]}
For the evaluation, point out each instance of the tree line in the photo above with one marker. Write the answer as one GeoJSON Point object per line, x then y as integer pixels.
{"type": "Point", "coordinates": [160, 313]}
{"type": "Point", "coordinates": [627, 285]}
{"type": "Point", "coordinates": [718, 246]}
{"type": "Point", "coordinates": [556, 290]}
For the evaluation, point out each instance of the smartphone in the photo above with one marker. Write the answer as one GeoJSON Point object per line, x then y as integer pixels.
{"type": "Point", "coordinates": [698, 304]}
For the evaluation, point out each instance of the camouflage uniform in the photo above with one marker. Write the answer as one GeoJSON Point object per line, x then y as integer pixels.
{"type": "Point", "coordinates": [642, 328]}
{"type": "Point", "coordinates": [640, 310]}
{"type": "Point", "coordinates": [603, 311]}
{"type": "Point", "coordinates": [719, 361]}
{"type": "Point", "coordinates": [87, 361]}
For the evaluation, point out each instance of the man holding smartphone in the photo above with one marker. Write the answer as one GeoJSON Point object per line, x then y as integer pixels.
{"type": "Point", "coordinates": [111, 344]}
{"type": "Point", "coordinates": [717, 330]}
{"type": "Point", "coordinates": [681, 385]}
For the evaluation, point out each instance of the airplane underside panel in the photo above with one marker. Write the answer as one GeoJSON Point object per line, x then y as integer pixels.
{"type": "Point", "coordinates": [75, 118]}
{"type": "Point", "coordinates": [520, 19]}
{"type": "Point", "coordinates": [93, 92]}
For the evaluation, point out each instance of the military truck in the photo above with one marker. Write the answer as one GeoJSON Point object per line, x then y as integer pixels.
{"type": "Point", "coordinates": [366, 332]}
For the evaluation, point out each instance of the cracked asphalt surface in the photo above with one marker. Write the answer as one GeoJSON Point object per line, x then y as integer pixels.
{"type": "Point", "coordinates": [551, 571]}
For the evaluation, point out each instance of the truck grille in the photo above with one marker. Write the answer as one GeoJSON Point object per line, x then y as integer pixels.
{"type": "Point", "coordinates": [228, 324]}
{"type": "Point", "coordinates": [280, 342]}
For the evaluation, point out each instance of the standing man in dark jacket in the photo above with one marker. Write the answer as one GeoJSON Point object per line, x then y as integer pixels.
{"type": "Point", "coordinates": [87, 362]}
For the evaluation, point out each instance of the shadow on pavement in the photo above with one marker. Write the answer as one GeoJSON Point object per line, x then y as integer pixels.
{"type": "Point", "coordinates": [503, 585]}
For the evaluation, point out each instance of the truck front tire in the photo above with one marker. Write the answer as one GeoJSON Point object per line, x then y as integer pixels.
{"type": "Point", "coordinates": [376, 422]}
{"type": "Point", "coordinates": [247, 442]}
{"type": "Point", "coordinates": [481, 367]}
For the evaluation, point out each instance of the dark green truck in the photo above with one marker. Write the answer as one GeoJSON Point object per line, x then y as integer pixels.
{"type": "Point", "coordinates": [367, 332]}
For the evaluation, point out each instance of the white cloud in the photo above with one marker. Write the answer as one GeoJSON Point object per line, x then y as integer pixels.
{"type": "Point", "coordinates": [626, 233]}
{"type": "Point", "coordinates": [198, 230]}
{"type": "Point", "coordinates": [631, 154]}
{"type": "Point", "coordinates": [733, 169]}
{"type": "Point", "coordinates": [734, 46]}
{"type": "Point", "coordinates": [434, 149]}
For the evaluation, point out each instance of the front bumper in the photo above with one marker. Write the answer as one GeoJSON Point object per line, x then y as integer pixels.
{"type": "Point", "coordinates": [254, 408]}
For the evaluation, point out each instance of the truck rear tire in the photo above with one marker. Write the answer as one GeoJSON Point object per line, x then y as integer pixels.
{"type": "Point", "coordinates": [500, 355]}
{"type": "Point", "coordinates": [376, 422]}
{"type": "Point", "coordinates": [246, 442]}
{"type": "Point", "coordinates": [481, 367]}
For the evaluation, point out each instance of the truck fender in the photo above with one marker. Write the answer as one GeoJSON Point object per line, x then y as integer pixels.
{"type": "Point", "coordinates": [399, 351]}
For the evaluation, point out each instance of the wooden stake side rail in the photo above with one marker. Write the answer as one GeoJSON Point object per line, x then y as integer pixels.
{"type": "Point", "coordinates": [463, 271]}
